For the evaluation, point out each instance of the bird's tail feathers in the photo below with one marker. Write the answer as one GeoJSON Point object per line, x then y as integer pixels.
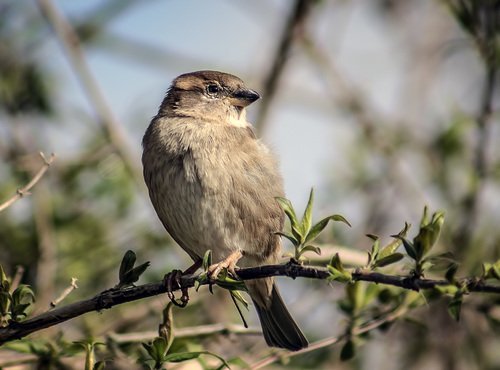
{"type": "Point", "coordinates": [278, 326]}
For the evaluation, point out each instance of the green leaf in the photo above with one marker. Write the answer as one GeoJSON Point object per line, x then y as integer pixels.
{"type": "Point", "coordinates": [425, 265]}
{"type": "Point", "coordinates": [455, 306]}
{"type": "Point", "coordinates": [127, 264]}
{"type": "Point", "coordinates": [19, 311]}
{"type": "Point", "coordinates": [345, 306]}
{"type": "Point", "coordinates": [23, 293]}
{"type": "Point", "coordinates": [165, 329]}
{"type": "Point", "coordinates": [410, 250]}
{"type": "Point", "coordinates": [425, 217]}
{"type": "Point", "coordinates": [340, 276]}
{"type": "Point", "coordinates": [99, 365]}
{"type": "Point", "coordinates": [290, 237]}
{"type": "Point", "coordinates": [447, 289]}
{"type": "Point", "coordinates": [446, 257]}
{"type": "Point", "coordinates": [131, 276]}
{"type": "Point", "coordinates": [318, 228]}
{"type": "Point", "coordinates": [396, 243]}
{"type": "Point", "coordinates": [287, 206]}
{"type": "Point", "coordinates": [307, 217]}
{"type": "Point", "coordinates": [450, 273]}
{"type": "Point", "coordinates": [388, 260]}
{"type": "Point", "coordinates": [181, 357]}
{"type": "Point", "coordinates": [21, 299]}
{"type": "Point", "coordinates": [337, 271]}
{"type": "Point", "coordinates": [491, 270]}
{"type": "Point", "coordinates": [311, 248]}
{"type": "Point", "coordinates": [4, 282]}
{"type": "Point", "coordinates": [355, 293]}
{"type": "Point", "coordinates": [207, 260]}
{"type": "Point", "coordinates": [428, 233]}
{"type": "Point", "coordinates": [5, 300]}
{"type": "Point", "coordinates": [348, 351]}
{"type": "Point", "coordinates": [157, 349]}
{"type": "Point", "coordinates": [185, 356]}
{"type": "Point", "coordinates": [373, 254]}
{"type": "Point", "coordinates": [239, 297]}
{"type": "Point", "coordinates": [336, 263]}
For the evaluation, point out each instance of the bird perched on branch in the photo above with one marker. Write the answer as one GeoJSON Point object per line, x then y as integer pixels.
{"type": "Point", "coordinates": [213, 185]}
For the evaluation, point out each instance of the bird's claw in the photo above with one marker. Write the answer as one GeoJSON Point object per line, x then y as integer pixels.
{"type": "Point", "coordinates": [228, 263]}
{"type": "Point", "coordinates": [172, 282]}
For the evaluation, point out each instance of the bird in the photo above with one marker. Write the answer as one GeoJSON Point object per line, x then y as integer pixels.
{"type": "Point", "coordinates": [213, 185]}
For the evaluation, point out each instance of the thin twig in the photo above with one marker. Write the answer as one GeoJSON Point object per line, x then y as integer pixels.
{"type": "Point", "coordinates": [46, 264]}
{"type": "Point", "coordinates": [65, 293]}
{"type": "Point", "coordinates": [110, 124]}
{"type": "Point", "coordinates": [18, 276]}
{"type": "Point", "coordinates": [368, 326]}
{"type": "Point", "coordinates": [112, 297]}
{"type": "Point", "coordinates": [471, 209]}
{"type": "Point", "coordinates": [25, 190]}
{"type": "Point", "coordinates": [293, 27]}
{"type": "Point", "coordinates": [188, 332]}
{"type": "Point", "coordinates": [16, 360]}
{"type": "Point", "coordinates": [351, 98]}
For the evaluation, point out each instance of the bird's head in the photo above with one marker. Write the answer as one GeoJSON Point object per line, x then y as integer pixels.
{"type": "Point", "coordinates": [209, 95]}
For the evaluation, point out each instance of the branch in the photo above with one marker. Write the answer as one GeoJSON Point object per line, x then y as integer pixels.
{"type": "Point", "coordinates": [111, 126]}
{"type": "Point", "coordinates": [366, 327]}
{"type": "Point", "coordinates": [188, 332]}
{"type": "Point", "coordinates": [25, 191]}
{"type": "Point", "coordinates": [112, 297]}
{"type": "Point", "coordinates": [294, 26]}
{"type": "Point", "coordinates": [480, 165]}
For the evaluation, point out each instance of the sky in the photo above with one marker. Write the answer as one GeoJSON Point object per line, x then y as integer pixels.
{"type": "Point", "coordinates": [235, 37]}
{"type": "Point", "coordinates": [381, 57]}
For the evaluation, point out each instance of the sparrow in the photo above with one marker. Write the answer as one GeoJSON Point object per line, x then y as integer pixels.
{"type": "Point", "coordinates": [213, 185]}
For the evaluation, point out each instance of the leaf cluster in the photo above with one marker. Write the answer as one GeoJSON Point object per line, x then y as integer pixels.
{"type": "Point", "coordinates": [158, 354]}
{"type": "Point", "coordinates": [303, 232]}
{"type": "Point", "coordinates": [14, 306]}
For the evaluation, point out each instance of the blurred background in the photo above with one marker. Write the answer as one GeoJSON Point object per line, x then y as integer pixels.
{"type": "Point", "coordinates": [382, 106]}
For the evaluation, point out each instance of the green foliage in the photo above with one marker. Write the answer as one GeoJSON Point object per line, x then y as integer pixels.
{"type": "Point", "coordinates": [348, 350]}
{"type": "Point", "coordinates": [89, 348]}
{"type": "Point", "coordinates": [158, 355]}
{"type": "Point", "coordinates": [479, 18]}
{"type": "Point", "coordinates": [387, 255]}
{"type": "Point", "coordinates": [337, 271]}
{"type": "Point", "coordinates": [303, 231]}
{"type": "Point", "coordinates": [48, 352]}
{"type": "Point", "coordinates": [423, 242]}
{"type": "Point", "coordinates": [491, 270]}
{"type": "Point", "coordinates": [13, 306]}
{"type": "Point", "coordinates": [129, 274]}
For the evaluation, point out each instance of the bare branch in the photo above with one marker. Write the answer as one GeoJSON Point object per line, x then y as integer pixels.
{"type": "Point", "coordinates": [18, 276]}
{"type": "Point", "coordinates": [480, 166]}
{"type": "Point", "coordinates": [65, 293]}
{"type": "Point", "coordinates": [366, 327]}
{"type": "Point", "coordinates": [293, 27]}
{"type": "Point", "coordinates": [188, 332]}
{"type": "Point", "coordinates": [110, 124]}
{"type": "Point", "coordinates": [25, 191]}
{"type": "Point", "coordinates": [110, 298]}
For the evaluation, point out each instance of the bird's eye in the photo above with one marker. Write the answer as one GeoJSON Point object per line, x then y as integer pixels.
{"type": "Point", "coordinates": [213, 89]}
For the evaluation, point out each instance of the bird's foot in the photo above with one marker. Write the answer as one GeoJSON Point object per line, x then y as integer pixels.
{"type": "Point", "coordinates": [228, 263]}
{"type": "Point", "coordinates": [172, 282]}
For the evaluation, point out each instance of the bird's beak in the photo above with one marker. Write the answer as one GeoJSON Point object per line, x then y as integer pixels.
{"type": "Point", "coordinates": [243, 97]}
